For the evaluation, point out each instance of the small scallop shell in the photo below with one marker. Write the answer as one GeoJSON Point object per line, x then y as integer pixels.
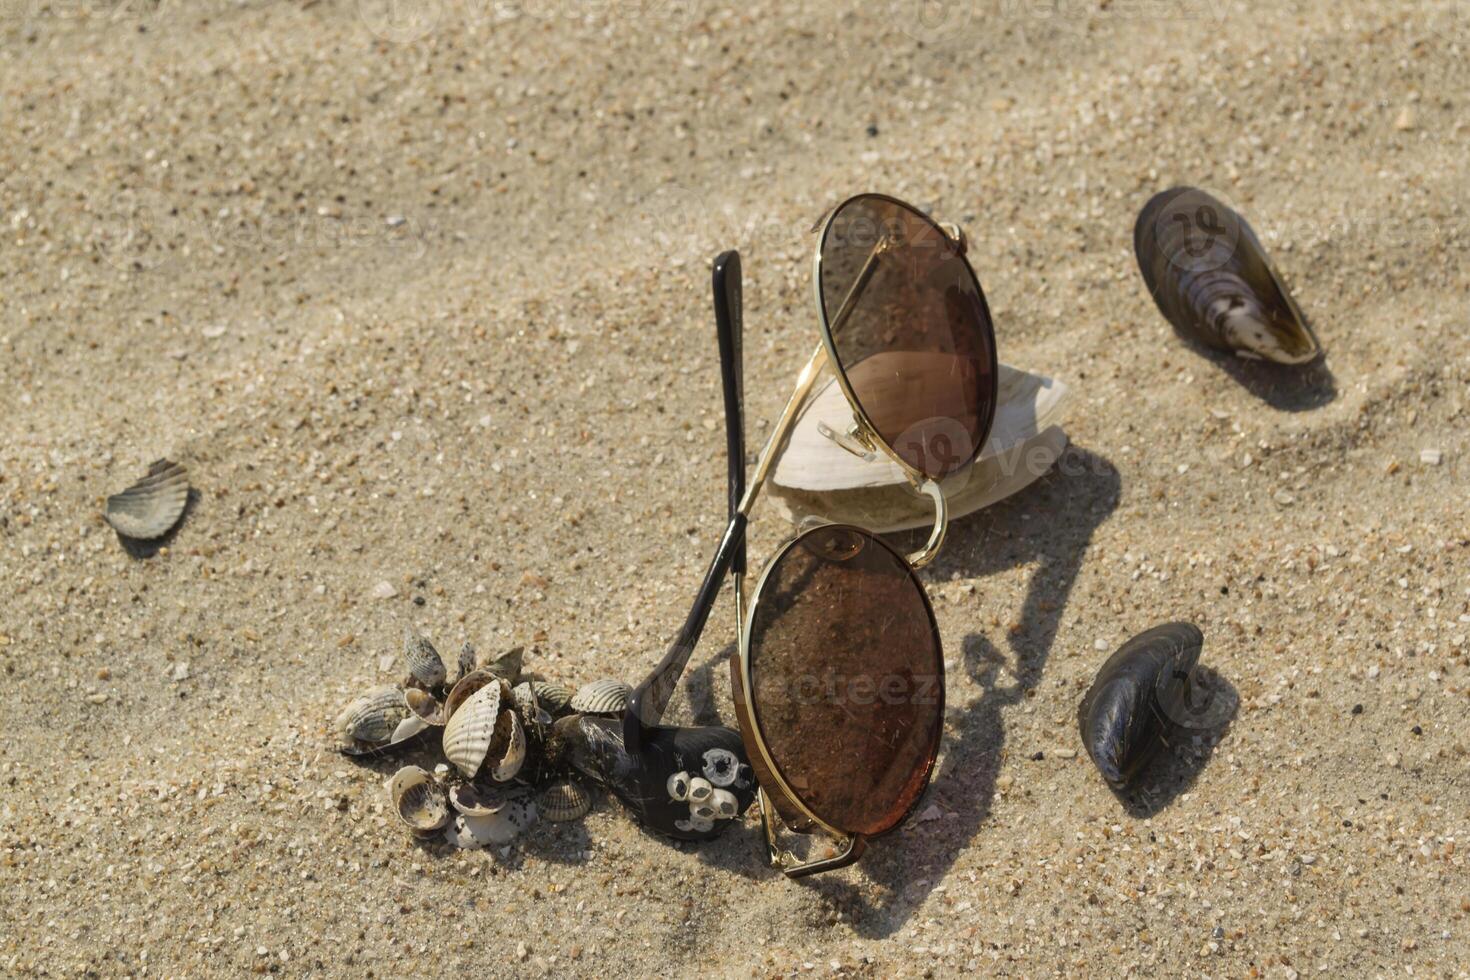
{"type": "Point", "coordinates": [373, 717]}
{"type": "Point", "coordinates": [564, 801]}
{"type": "Point", "coordinates": [474, 802]}
{"type": "Point", "coordinates": [424, 705]}
{"type": "Point", "coordinates": [151, 507]}
{"type": "Point", "coordinates": [604, 697]}
{"type": "Point", "coordinates": [510, 734]}
{"type": "Point", "coordinates": [471, 729]}
{"type": "Point", "coordinates": [423, 660]}
{"type": "Point", "coordinates": [551, 696]}
{"type": "Point", "coordinates": [418, 800]}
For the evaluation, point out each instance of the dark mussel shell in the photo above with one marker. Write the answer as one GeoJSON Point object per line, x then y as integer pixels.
{"type": "Point", "coordinates": [1143, 697]}
{"type": "Point", "coordinates": [1213, 281]}
{"type": "Point", "coordinates": [594, 747]}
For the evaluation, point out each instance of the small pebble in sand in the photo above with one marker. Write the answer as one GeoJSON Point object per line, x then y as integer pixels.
{"type": "Point", "coordinates": [384, 590]}
{"type": "Point", "coordinates": [1431, 457]}
{"type": "Point", "coordinates": [1407, 120]}
{"type": "Point", "coordinates": [181, 671]}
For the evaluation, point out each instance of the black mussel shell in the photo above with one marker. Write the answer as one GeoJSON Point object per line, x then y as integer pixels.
{"type": "Point", "coordinates": [594, 746]}
{"type": "Point", "coordinates": [1141, 698]}
{"type": "Point", "coordinates": [1213, 281]}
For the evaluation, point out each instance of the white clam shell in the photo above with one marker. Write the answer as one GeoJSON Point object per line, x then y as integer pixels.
{"type": "Point", "coordinates": [418, 800]}
{"type": "Point", "coordinates": [512, 736]}
{"type": "Point", "coordinates": [470, 801]}
{"type": "Point", "coordinates": [151, 507]}
{"type": "Point", "coordinates": [816, 476]}
{"type": "Point", "coordinates": [501, 827]}
{"type": "Point", "coordinates": [466, 686]}
{"type": "Point", "coordinates": [422, 659]}
{"type": "Point", "coordinates": [604, 697]}
{"type": "Point", "coordinates": [563, 801]}
{"type": "Point", "coordinates": [551, 697]}
{"type": "Point", "coordinates": [373, 717]}
{"type": "Point", "coordinates": [471, 729]}
{"type": "Point", "coordinates": [407, 729]}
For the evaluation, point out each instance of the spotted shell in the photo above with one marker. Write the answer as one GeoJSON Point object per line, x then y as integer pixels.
{"type": "Point", "coordinates": [151, 507]}
{"type": "Point", "coordinates": [500, 827]}
{"type": "Point", "coordinates": [563, 801]}
{"type": "Point", "coordinates": [418, 800]}
{"type": "Point", "coordinates": [466, 686]}
{"type": "Point", "coordinates": [471, 729]}
{"type": "Point", "coordinates": [373, 717]}
{"type": "Point", "coordinates": [553, 697]}
{"type": "Point", "coordinates": [604, 697]}
{"type": "Point", "coordinates": [423, 660]}
{"type": "Point", "coordinates": [510, 740]}
{"type": "Point", "coordinates": [526, 702]}
{"type": "Point", "coordinates": [466, 659]}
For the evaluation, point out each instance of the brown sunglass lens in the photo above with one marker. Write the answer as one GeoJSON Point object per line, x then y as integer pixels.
{"type": "Point", "coordinates": [911, 331]}
{"type": "Point", "coordinates": [847, 678]}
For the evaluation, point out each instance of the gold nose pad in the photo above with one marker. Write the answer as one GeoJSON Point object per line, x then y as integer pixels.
{"type": "Point", "coordinates": [855, 440]}
{"type": "Point", "coordinates": [955, 234]}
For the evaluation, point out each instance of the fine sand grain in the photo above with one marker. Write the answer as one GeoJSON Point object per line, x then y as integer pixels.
{"type": "Point", "coordinates": [419, 294]}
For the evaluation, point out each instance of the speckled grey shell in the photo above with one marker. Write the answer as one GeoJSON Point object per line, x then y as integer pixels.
{"type": "Point", "coordinates": [151, 507]}
{"type": "Point", "coordinates": [373, 717]}
{"type": "Point", "coordinates": [422, 659]}
{"type": "Point", "coordinates": [563, 801]}
{"type": "Point", "coordinates": [466, 659]}
{"type": "Point", "coordinates": [418, 800]}
{"type": "Point", "coordinates": [604, 697]}
{"type": "Point", "coordinates": [525, 698]}
{"type": "Point", "coordinates": [552, 697]}
{"type": "Point", "coordinates": [507, 666]}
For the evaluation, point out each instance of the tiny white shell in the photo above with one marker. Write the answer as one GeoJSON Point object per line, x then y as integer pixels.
{"type": "Point", "coordinates": [678, 787]}
{"type": "Point", "coordinates": [725, 804]}
{"type": "Point", "coordinates": [604, 697]}
{"type": "Point", "coordinates": [700, 790]}
{"type": "Point", "coordinates": [407, 729]}
{"type": "Point", "coordinates": [470, 801]}
{"type": "Point", "coordinates": [721, 766]}
{"type": "Point", "coordinates": [700, 825]}
{"type": "Point", "coordinates": [471, 729]}
{"type": "Point", "coordinates": [509, 733]}
{"type": "Point", "coordinates": [418, 800]}
{"type": "Point", "coordinates": [702, 811]}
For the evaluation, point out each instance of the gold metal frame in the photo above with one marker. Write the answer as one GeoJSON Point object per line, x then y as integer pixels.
{"type": "Point", "coordinates": [864, 432]}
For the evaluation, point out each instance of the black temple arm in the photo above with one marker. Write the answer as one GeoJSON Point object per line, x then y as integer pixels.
{"type": "Point", "coordinates": [650, 699]}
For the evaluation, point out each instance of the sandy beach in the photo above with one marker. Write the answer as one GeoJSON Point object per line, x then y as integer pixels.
{"type": "Point", "coordinates": [419, 294]}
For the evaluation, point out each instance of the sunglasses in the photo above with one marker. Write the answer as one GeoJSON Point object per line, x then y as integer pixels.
{"type": "Point", "coordinates": [839, 682]}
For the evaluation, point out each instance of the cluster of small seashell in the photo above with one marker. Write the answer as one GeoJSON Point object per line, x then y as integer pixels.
{"type": "Point", "coordinates": [492, 723]}
{"type": "Point", "coordinates": [708, 798]}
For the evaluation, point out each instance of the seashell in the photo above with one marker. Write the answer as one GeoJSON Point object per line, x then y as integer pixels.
{"type": "Point", "coordinates": [1214, 283]}
{"type": "Point", "coordinates": [554, 698]}
{"type": "Point", "coordinates": [374, 717]}
{"type": "Point", "coordinates": [721, 767]}
{"type": "Point", "coordinates": [151, 507]}
{"type": "Point", "coordinates": [509, 751]}
{"type": "Point", "coordinates": [472, 727]}
{"type": "Point", "coordinates": [702, 811]}
{"type": "Point", "coordinates": [700, 790]}
{"type": "Point", "coordinates": [645, 781]}
{"type": "Point", "coordinates": [507, 666]}
{"type": "Point", "coordinates": [563, 801]}
{"type": "Point", "coordinates": [424, 705]}
{"type": "Point", "coordinates": [1143, 696]}
{"type": "Point", "coordinates": [726, 806]}
{"type": "Point", "coordinates": [466, 686]}
{"type": "Point", "coordinates": [604, 697]}
{"type": "Point", "coordinates": [423, 660]}
{"type": "Point", "coordinates": [466, 659]}
{"type": "Point", "coordinates": [501, 827]}
{"type": "Point", "coordinates": [525, 698]}
{"type": "Point", "coordinates": [474, 802]}
{"type": "Point", "coordinates": [407, 729]}
{"type": "Point", "coordinates": [817, 476]}
{"type": "Point", "coordinates": [418, 800]}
